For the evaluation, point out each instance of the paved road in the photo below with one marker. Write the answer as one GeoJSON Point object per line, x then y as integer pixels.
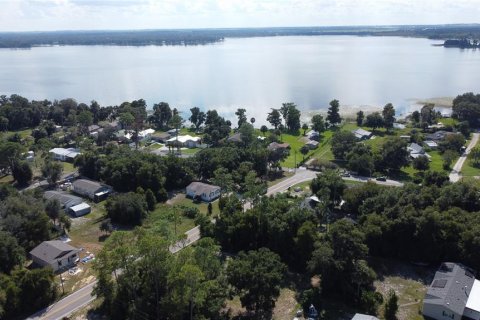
{"type": "Point", "coordinates": [457, 168]}
{"type": "Point", "coordinates": [67, 305]}
{"type": "Point", "coordinates": [40, 183]}
{"type": "Point", "coordinates": [83, 296]}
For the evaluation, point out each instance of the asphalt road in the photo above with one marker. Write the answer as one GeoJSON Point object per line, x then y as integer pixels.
{"type": "Point", "coordinates": [83, 296]}
{"type": "Point", "coordinates": [67, 305]}
{"type": "Point", "coordinates": [457, 168]}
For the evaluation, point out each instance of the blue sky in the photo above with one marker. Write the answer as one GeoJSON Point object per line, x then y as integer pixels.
{"type": "Point", "coordinates": [36, 15]}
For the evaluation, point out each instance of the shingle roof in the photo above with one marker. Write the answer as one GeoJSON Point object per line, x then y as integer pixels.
{"type": "Point", "coordinates": [450, 287]}
{"type": "Point", "coordinates": [276, 145]}
{"type": "Point", "coordinates": [361, 132]}
{"type": "Point", "coordinates": [199, 187]}
{"type": "Point", "coordinates": [85, 184]}
{"type": "Point", "coordinates": [48, 251]}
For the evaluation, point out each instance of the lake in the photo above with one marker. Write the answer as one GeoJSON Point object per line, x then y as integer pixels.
{"type": "Point", "coordinates": [254, 73]}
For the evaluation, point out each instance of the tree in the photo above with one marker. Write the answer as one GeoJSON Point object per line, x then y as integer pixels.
{"type": "Point", "coordinates": [242, 116]}
{"type": "Point", "coordinates": [197, 118]}
{"type": "Point", "coordinates": [466, 107]}
{"type": "Point", "coordinates": [393, 154]}
{"type": "Point", "coordinates": [150, 199]}
{"type": "Point", "coordinates": [256, 277]}
{"type": "Point", "coordinates": [464, 128]}
{"type": "Point", "coordinates": [304, 128]}
{"type": "Point", "coordinates": [11, 253]}
{"type": "Point", "coordinates": [333, 116]}
{"type": "Point", "coordinates": [453, 142]}
{"type": "Point", "coordinates": [421, 163]}
{"type": "Point", "coordinates": [360, 118]}
{"type": "Point", "coordinates": [388, 116]}
{"type": "Point", "coordinates": [254, 189]}
{"type": "Point", "coordinates": [342, 143]}
{"type": "Point", "coordinates": [475, 156]}
{"type": "Point", "coordinates": [318, 124]}
{"type": "Point", "coordinates": [22, 173]}
{"type": "Point", "coordinates": [304, 151]}
{"type": "Point", "coordinates": [428, 114]}
{"type": "Point", "coordinates": [106, 226]}
{"type": "Point", "coordinates": [374, 120]}
{"type": "Point", "coordinates": [274, 118]}
{"type": "Point", "coordinates": [291, 115]}
{"type": "Point", "coordinates": [247, 133]}
{"type": "Point", "coordinates": [329, 184]}
{"type": "Point", "coordinates": [128, 208]}
{"type": "Point", "coordinates": [162, 115]}
{"type": "Point", "coordinates": [210, 209]}
{"type": "Point", "coordinates": [252, 120]}
{"type": "Point", "coordinates": [52, 171]}
{"type": "Point", "coordinates": [360, 160]}
{"type": "Point", "coordinates": [448, 157]}
{"type": "Point", "coordinates": [416, 116]}
{"type": "Point", "coordinates": [391, 305]}
{"type": "Point", "coordinates": [85, 119]}
{"type": "Point", "coordinates": [126, 120]}
{"type": "Point", "coordinates": [264, 129]}
{"type": "Point", "coordinates": [52, 209]}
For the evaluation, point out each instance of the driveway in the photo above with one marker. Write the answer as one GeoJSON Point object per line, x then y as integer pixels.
{"type": "Point", "coordinates": [457, 168]}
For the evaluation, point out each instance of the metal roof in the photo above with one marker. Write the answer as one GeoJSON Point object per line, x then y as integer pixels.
{"type": "Point", "coordinates": [199, 187]}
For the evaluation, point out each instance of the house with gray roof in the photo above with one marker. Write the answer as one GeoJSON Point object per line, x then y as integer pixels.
{"type": "Point", "coordinates": [66, 200]}
{"type": "Point", "coordinates": [204, 191]}
{"type": "Point", "coordinates": [55, 254]}
{"type": "Point", "coordinates": [91, 189]}
{"type": "Point", "coordinates": [416, 151]}
{"type": "Point", "coordinates": [453, 294]}
{"type": "Point", "coordinates": [362, 134]}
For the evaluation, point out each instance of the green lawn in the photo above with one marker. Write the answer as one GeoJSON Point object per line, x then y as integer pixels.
{"type": "Point", "coordinates": [322, 152]}
{"type": "Point", "coordinates": [469, 169]}
{"type": "Point", "coordinates": [190, 151]}
{"type": "Point", "coordinates": [68, 167]}
{"type": "Point", "coordinates": [181, 200]}
{"type": "Point", "coordinates": [448, 121]}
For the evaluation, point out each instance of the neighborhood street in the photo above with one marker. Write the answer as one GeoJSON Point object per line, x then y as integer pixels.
{"type": "Point", "coordinates": [457, 168]}
{"type": "Point", "coordinates": [83, 296]}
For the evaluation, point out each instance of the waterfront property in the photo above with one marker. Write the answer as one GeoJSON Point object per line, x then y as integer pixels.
{"type": "Point", "coordinates": [186, 141]}
{"type": "Point", "coordinates": [55, 254]}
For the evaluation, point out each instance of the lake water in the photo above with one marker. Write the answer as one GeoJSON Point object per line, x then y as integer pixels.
{"type": "Point", "coordinates": [254, 73]}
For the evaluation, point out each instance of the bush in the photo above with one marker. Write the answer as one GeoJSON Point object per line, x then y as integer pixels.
{"type": "Point", "coordinates": [129, 208]}
{"type": "Point", "coordinates": [191, 212]}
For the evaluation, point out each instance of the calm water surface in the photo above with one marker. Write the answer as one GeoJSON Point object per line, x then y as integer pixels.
{"type": "Point", "coordinates": [254, 73]}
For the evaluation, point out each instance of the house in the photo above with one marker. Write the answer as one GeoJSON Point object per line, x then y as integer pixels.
{"type": "Point", "coordinates": [186, 141]}
{"type": "Point", "coordinates": [360, 316]}
{"type": "Point", "coordinates": [80, 209]}
{"type": "Point", "coordinates": [312, 144]}
{"type": "Point", "coordinates": [438, 136]}
{"type": "Point", "coordinates": [173, 132]}
{"type": "Point", "coordinates": [66, 155]}
{"type": "Point", "coordinates": [55, 254]}
{"type": "Point", "coordinates": [431, 144]}
{"type": "Point", "coordinates": [236, 138]}
{"type": "Point", "coordinates": [204, 191]}
{"type": "Point", "coordinates": [416, 151]}
{"type": "Point", "coordinates": [453, 294]}
{"type": "Point", "coordinates": [30, 156]}
{"type": "Point", "coordinates": [313, 135]}
{"type": "Point", "coordinates": [91, 189]}
{"type": "Point", "coordinates": [146, 134]}
{"type": "Point", "coordinates": [274, 146]}
{"type": "Point", "coordinates": [362, 134]}
{"type": "Point", "coordinates": [66, 200]}
{"type": "Point", "coordinates": [160, 136]}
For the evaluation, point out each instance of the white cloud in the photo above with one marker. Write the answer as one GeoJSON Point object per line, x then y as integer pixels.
{"type": "Point", "coordinates": [22, 15]}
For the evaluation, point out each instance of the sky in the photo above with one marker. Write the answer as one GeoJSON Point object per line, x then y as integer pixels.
{"type": "Point", "coordinates": [49, 15]}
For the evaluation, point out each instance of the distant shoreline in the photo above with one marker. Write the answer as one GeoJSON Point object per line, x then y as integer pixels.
{"type": "Point", "coordinates": [193, 37]}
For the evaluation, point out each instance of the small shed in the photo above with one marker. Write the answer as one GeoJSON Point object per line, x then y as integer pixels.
{"type": "Point", "coordinates": [312, 144]}
{"type": "Point", "coordinates": [80, 209]}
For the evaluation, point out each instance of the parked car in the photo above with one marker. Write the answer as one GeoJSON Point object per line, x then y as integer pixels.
{"type": "Point", "coordinates": [381, 179]}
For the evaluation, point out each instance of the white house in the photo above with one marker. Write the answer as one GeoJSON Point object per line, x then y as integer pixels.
{"type": "Point", "coordinates": [55, 254]}
{"type": "Point", "coordinates": [454, 294]}
{"type": "Point", "coordinates": [185, 141]}
{"type": "Point", "coordinates": [362, 134]}
{"type": "Point", "coordinates": [204, 191]}
{"type": "Point", "coordinates": [91, 189]}
{"type": "Point", "coordinates": [80, 209]}
{"type": "Point", "coordinates": [66, 155]}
